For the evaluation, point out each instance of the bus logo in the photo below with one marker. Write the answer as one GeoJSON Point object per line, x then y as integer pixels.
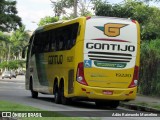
{"type": "Point", "coordinates": [113, 29]}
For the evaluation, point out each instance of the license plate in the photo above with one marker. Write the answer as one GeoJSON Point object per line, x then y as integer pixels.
{"type": "Point", "coordinates": [107, 92]}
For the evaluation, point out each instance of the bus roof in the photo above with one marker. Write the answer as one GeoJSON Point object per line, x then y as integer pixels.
{"type": "Point", "coordinates": [42, 28]}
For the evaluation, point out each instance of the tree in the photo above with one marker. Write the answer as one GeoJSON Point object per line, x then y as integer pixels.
{"type": "Point", "coordinates": [60, 7]}
{"type": "Point", "coordinates": [149, 82]}
{"type": "Point", "coordinates": [8, 14]}
{"type": "Point", "coordinates": [4, 46]}
{"type": "Point", "coordinates": [19, 39]}
{"type": "Point", "coordinates": [47, 20]}
{"type": "Point", "coordinates": [147, 16]}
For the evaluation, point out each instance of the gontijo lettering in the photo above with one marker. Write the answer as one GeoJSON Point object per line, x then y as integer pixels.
{"type": "Point", "coordinates": [114, 47]}
{"type": "Point", "coordinates": [55, 59]}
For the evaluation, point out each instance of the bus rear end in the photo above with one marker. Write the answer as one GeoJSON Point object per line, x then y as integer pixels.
{"type": "Point", "coordinates": [109, 70]}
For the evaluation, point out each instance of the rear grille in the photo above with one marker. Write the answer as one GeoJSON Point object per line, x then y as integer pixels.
{"type": "Point", "coordinates": [109, 57]}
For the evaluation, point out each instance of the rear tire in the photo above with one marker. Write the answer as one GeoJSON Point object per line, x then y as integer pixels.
{"type": "Point", "coordinates": [34, 94]}
{"type": "Point", "coordinates": [99, 104]}
{"type": "Point", "coordinates": [65, 101]}
{"type": "Point", "coordinates": [57, 96]}
{"type": "Point", "coordinates": [114, 104]}
{"type": "Point", "coordinates": [111, 104]}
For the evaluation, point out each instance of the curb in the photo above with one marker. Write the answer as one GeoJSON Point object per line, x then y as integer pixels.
{"type": "Point", "coordinates": [139, 107]}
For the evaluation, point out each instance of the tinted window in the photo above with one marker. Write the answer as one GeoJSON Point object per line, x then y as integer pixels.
{"type": "Point", "coordinates": [65, 37]}
{"type": "Point", "coordinates": [58, 39]}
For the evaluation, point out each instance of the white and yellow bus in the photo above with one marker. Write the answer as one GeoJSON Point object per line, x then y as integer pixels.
{"type": "Point", "coordinates": [95, 59]}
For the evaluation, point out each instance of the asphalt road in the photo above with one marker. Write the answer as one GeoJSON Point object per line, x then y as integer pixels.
{"type": "Point", "coordinates": [14, 90]}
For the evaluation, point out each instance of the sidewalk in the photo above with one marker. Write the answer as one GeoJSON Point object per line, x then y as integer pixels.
{"type": "Point", "coordinates": [143, 103]}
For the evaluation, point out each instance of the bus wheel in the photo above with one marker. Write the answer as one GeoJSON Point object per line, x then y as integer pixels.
{"type": "Point", "coordinates": [57, 96]}
{"type": "Point", "coordinates": [99, 104]}
{"type": "Point", "coordinates": [114, 104]}
{"type": "Point", "coordinates": [34, 94]}
{"type": "Point", "coordinates": [65, 101]}
{"type": "Point", "coordinates": [110, 104]}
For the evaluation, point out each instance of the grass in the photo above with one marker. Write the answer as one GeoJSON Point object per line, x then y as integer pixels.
{"type": "Point", "coordinates": [143, 103]}
{"type": "Point", "coordinates": [10, 106]}
{"type": "Point", "coordinates": [149, 105]}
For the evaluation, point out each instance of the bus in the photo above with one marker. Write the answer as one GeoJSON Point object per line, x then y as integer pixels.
{"type": "Point", "coordinates": [87, 58]}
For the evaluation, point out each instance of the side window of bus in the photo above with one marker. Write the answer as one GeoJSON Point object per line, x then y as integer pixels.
{"type": "Point", "coordinates": [66, 37]}
{"type": "Point", "coordinates": [63, 38]}
{"type": "Point", "coordinates": [29, 50]}
{"type": "Point", "coordinates": [52, 41]}
{"type": "Point", "coordinates": [72, 35]}
{"type": "Point", "coordinates": [37, 44]}
{"type": "Point", "coordinates": [34, 46]}
{"type": "Point", "coordinates": [57, 37]}
{"type": "Point", "coordinates": [45, 42]}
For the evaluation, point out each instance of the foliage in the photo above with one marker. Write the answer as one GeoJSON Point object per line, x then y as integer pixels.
{"type": "Point", "coordinates": [150, 66]}
{"type": "Point", "coordinates": [60, 7]}
{"type": "Point", "coordinates": [4, 65]}
{"type": "Point", "coordinates": [19, 39]}
{"type": "Point", "coordinates": [47, 20]}
{"type": "Point", "coordinates": [12, 65]}
{"type": "Point", "coordinates": [11, 47]}
{"type": "Point", "coordinates": [4, 46]}
{"type": "Point", "coordinates": [147, 16]}
{"type": "Point", "coordinates": [8, 14]}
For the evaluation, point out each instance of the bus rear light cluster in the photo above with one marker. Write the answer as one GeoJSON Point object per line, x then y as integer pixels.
{"type": "Point", "coordinates": [80, 74]}
{"type": "Point", "coordinates": [134, 21]}
{"type": "Point", "coordinates": [87, 18]}
{"type": "Point", "coordinates": [134, 82]}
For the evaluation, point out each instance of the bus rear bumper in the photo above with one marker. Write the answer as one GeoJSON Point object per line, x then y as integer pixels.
{"type": "Point", "coordinates": [99, 93]}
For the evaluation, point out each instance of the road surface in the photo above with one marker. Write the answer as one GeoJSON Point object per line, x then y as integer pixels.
{"type": "Point", "coordinates": [14, 90]}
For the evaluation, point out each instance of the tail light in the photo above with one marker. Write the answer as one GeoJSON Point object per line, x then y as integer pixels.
{"type": "Point", "coordinates": [134, 82]}
{"type": "Point", "coordinates": [87, 18]}
{"type": "Point", "coordinates": [134, 21]}
{"type": "Point", "coordinates": [80, 74]}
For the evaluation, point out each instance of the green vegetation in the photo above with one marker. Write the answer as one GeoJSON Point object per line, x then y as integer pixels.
{"type": "Point", "coordinates": [13, 64]}
{"type": "Point", "coordinates": [10, 106]}
{"type": "Point", "coordinates": [142, 104]}
{"type": "Point", "coordinates": [149, 83]}
{"type": "Point", "coordinates": [11, 46]}
{"type": "Point", "coordinates": [147, 16]}
{"type": "Point", "coordinates": [157, 106]}
{"type": "Point", "coordinates": [47, 20]}
{"type": "Point", "coordinates": [8, 14]}
{"type": "Point", "coordinates": [60, 6]}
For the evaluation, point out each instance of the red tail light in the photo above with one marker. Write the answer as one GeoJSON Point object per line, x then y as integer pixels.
{"type": "Point", "coordinates": [135, 77]}
{"type": "Point", "coordinates": [134, 21]}
{"type": "Point", "coordinates": [80, 74]}
{"type": "Point", "coordinates": [88, 17]}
